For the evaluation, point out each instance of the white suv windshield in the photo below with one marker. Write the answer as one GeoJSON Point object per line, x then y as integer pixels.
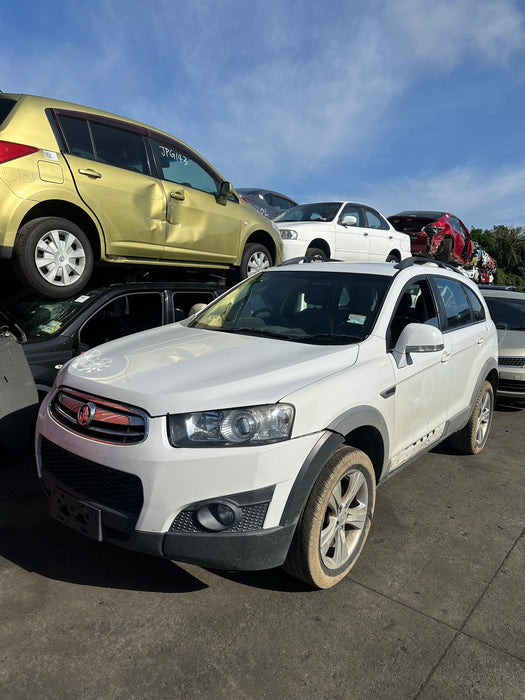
{"type": "Point", "coordinates": [300, 306]}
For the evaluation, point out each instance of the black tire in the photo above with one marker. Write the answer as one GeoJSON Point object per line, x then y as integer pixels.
{"type": "Point", "coordinates": [336, 520]}
{"type": "Point", "coordinates": [316, 254]}
{"type": "Point", "coordinates": [393, 258]}
{"type": "Point", "coordinates": [254, 259]}
{"type": "Point", "coordinates": [445, 251]}
{"type": "Point", "coordinates": [53, 256]}
{"type": "Point", "coordinates": [473, 437]}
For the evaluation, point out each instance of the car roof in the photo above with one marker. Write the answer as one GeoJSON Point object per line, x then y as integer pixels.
{"type": "Point", "coordinates": [415, 264]}
{"type": "Point", "coordinates": [502, 294]}
{"type": "Point", "coordinates": [52, 103]}
{"type": "Point", "coordinates": [258, 190]}
{"type": "Point", "coordinates": [422, 214]}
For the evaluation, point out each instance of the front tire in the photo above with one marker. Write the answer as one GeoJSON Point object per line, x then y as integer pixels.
{"type": "Point", "coordinates": [53, 256]}
{"type": "Point", "coordinates": [255, 258]}
{"type": "Point", "coordinates": [336, 520]}
{"type": "Point", "coordinates": [473, 437]}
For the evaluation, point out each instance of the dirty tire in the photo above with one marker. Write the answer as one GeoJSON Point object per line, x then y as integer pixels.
{"type": "Point", "coordinates": [473, 437]}
{"type": "Point", "coordinates": [254, 259]}
{"type": "Point", "coordinates": [336, 520]}
{"type": "Point", "coordinates": [445, 251]}
{"type": "Point", "coordinates": [53, 256]}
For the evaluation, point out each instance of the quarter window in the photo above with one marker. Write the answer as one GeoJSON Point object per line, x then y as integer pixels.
{"type": "Point", "coordinates": [77, 136]}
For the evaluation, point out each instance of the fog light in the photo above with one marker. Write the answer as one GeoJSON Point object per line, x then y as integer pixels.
{"type": "Point", "coordinates": [218, 516]}
{"type": "Point", "coordinates": [225, 515]}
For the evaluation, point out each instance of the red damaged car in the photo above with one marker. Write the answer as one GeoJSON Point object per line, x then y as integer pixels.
{"type": "Point", "coordinates": [436, 233]}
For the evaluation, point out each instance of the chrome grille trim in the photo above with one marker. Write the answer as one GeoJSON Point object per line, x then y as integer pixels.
{"type": "Point", "coordinates": [111, 422]}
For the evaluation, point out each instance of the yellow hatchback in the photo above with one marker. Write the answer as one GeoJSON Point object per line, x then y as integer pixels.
{"type": "Point", "coordinates": [79, 185]}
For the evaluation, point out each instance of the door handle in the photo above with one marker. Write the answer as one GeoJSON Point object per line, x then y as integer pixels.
{"type": "Point", "coordinates": [445, 357]}
{"type": "Point", "coordinates": [90, 172]}
{"type": "Point", "coordinates": [365, 233]}
{"type": "Point", "coordinates": [178, 195]}
{"type": "Point", "coordinates": [481, 339]}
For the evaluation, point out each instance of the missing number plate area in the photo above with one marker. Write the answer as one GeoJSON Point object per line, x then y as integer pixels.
{"type": "Point", "coordinates": [76, 514]}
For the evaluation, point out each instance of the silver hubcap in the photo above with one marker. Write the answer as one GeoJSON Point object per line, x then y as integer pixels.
{"type": "Point", "coordinates": [60, 258]}
{"type": "Point", "coordinates": [344, 520]}
{"type": "Point", "coordinates": [485, 412]}
{"type": "Point", "coordinates": [258, 261]}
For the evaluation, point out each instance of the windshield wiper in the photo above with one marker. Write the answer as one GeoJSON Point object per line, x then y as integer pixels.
{"type": "Point", "coordinates": [257, 331]}
{"type": "Point", "coordinates": [330, 336]}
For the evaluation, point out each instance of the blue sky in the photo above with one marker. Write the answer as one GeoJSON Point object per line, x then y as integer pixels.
{"type": "Point", "coordinates": [402, 104]}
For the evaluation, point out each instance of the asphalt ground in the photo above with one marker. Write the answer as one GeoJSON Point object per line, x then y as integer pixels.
{"type": "Point", "coordinates": [433, 609]}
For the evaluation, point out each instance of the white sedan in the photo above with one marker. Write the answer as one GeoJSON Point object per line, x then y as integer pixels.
{"type": "Point", "coordinates": [344, 230]}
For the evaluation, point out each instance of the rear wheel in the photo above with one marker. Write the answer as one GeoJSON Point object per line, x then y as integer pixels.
{"type": "Point", "coordinates": [254, 259]}
{"type": "Point", "coordinates": [336, 520]}
{"type": "Point", "coordinates": [473, 437]}
{"type": "Point", "coordinates": [53, 256]}
{"type": "Point", "coordinates": [316, 254]}
{"type": "Point", "coordinates": [393, 258]}
{"type": "Point", "coordinates": [445, 252]}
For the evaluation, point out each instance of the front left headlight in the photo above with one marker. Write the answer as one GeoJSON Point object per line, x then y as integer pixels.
{"type": "Point", "coordinates": [288, 234]}
{"type": "Point", "coordinates": [230, 427]}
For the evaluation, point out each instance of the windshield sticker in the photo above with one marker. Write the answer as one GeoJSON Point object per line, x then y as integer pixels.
{"type": "Point", "coordinates": [356, 318]}
{"type": "Point", "coordinates": [50, 327]}
{"type": "Point", "coordinates": [50, 155]}
{"type": "Point", "coordinates": [91, 361]}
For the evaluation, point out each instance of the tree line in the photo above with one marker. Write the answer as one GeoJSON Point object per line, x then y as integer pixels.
{"type": "Point", "coordinates": [506, 244]}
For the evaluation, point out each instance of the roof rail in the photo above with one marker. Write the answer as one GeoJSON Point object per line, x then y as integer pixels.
{"type": "Point", "coordinates": [307, 259]}
{"type": "Point", "coordinates": [408, 262]}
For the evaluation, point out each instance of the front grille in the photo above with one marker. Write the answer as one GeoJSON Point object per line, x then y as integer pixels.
{"type": "Point", "coordinates": [99, 419]}
{"type": "Point", "coordinates": [511, 385]}
{"type": "Point", "coordinates": [252, 519]}
{"type": "Point", "coordinates": [93, 482]}
{"type": "Point", "coordinates": [511, 361]}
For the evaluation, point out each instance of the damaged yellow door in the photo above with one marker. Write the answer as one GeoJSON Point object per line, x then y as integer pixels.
{"type": "Point", "coordinates": [130, 206]}
{"type": "Point", "coordinates": [201, 226]}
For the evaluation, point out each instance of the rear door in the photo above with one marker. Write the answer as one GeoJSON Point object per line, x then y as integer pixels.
{"type": "Point", "coordinates": [110, 165]}
{"type": "Point", "coordinates": [381, 238]}
{"type": "Point", "coordinates": [465, 333]}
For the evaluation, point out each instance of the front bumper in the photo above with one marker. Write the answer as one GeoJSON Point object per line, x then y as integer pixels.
{"type": "Point", "coordinates": [146, 496]}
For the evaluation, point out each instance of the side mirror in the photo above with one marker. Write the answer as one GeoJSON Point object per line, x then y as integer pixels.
{"type": "Point", "coordinates": [414, 338]}
{"type": "Point", "coordinates": [349, 220]}
{"type": "Point", "coordinates": [225, 191]}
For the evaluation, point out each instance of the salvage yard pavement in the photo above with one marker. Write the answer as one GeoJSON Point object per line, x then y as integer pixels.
{"type": "Point", "coordinates": [434, 608]}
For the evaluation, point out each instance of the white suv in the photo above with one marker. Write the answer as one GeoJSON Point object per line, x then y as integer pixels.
{"type": "Point", "coordinates": [254, 433]}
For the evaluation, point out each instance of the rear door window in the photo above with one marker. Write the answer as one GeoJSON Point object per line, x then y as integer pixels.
{"type": "Point", "coordinates": [124, 149]}
{"type": "Point", "coordinates": [457, 308]}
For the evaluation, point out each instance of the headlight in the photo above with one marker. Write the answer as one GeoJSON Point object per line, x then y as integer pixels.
{"type": "Point", "coordinates": [253, 425]}
{"type": "Point", "coordinates": [288, 234]}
